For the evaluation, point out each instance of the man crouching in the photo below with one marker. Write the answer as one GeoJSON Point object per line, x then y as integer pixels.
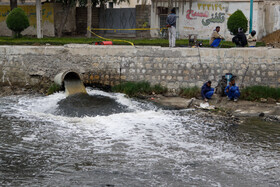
{"type": "Point", "coordinates": [207, 91]}
{"type": "Point", "coordinates": [232, 91]}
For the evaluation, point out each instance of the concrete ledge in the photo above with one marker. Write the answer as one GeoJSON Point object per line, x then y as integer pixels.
{"type": "Point", "coordinates": [110, 65]}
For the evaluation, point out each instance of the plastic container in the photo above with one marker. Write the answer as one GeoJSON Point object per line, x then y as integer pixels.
{"type": "Point", "coordinates": [104, 43]}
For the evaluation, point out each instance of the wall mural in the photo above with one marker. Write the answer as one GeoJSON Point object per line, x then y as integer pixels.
{"type": "Point", "coordinates": [219, 18]}
{"type": "Point", "coordinates": [30, 10]}
{"type": "Point", "coordinates": [206, 14]}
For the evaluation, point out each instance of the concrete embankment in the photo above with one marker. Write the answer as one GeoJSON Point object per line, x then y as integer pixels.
{"type": "Point", "coordinates": [110, 65]}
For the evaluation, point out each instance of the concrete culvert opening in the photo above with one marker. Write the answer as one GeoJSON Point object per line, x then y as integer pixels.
{"type": "Point", "coordinates": [71, 81]}
{"type": "Point", "coordinates": [71, 76]}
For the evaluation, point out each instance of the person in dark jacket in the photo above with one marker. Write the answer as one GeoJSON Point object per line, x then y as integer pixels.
{"type": "Point", "coordinates": [171, 25]}
{"type": "Point", "coordinates": [207, 91]}
{"type": "Point", "coordinates": [240, 39]}
{"type": "Point", "coordinates": [232, 91]}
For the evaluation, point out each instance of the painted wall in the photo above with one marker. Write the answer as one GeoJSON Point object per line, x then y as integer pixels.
{"type": "Point", "coordinates": [205, 16]}
{"type": "Point", "coordinates": [30, 10]}
{"type": "Point", "coordinates": [110, 65]}
{"type": "Point", "coordinates": [272, 17]}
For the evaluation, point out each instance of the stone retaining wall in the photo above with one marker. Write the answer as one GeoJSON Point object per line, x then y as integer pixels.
{"type": "Point", "coordinates": [110, 65]}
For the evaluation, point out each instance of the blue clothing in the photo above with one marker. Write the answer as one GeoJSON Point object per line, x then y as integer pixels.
{"type": "Point", "coordinates": [206, 91]}
{"type": "Point", "coordinates": [209, 94]}
{"type": "Point", "coordinates": [216, 42]}
{"type": "Point", "coordinates": [171, 20]}
{"type": "Point", "coordinates": [233, 92]}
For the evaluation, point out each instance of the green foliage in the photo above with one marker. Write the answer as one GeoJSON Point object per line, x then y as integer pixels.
{"type": "Point", "coordinates": [254, 93]}
{"type": "Point", "coordinates": [237, 20]}
{"type": "Point", "coordinates": [68, 40]}
{"type": "Point", "coordinates": [53, 88]}
{"type": "Point", "coordinates": [190, 92]}
{"type": "Point", "coordinates": [134, 89]}
{"type": "Point", "coordinates": [17, 21]}
{"type": "Point", "coordinates": [158, 89]}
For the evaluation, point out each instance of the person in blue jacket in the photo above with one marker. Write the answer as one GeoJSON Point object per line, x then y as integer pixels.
{"type": "Point", "coordinates": [232, 91]}
{"type": "Point", "coordinates": [207, 91]}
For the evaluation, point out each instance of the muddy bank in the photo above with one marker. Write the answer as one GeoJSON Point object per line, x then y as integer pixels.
{"type": "Point", "coordinates": [220, 106]}
{"type": "Point", "coordinates": [18, 90]}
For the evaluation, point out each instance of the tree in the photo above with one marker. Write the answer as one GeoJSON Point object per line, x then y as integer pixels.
{"type": "Point", "coordinates": [89, 16]}
{"type": "Point", "coordinates": [237, 20]}
{"type": "Point", "coordinates": [13, 4]}
{"type": "Point", "coordinates": [17, 21]}
{"type": "Point", "coordinates": [67, 5]}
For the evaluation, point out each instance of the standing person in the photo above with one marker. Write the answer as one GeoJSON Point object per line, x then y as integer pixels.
{"type": "Point", "coordinates": [171, 25]}
{"type": "Point", "coordinates": [232, 91]}
{"type": "Point", "coordinates": [252, 40]}
{"type": "Point", "coordinates": [240, 39]}
{"type": "Point", "coordinates": [207, 91]}
{"type": "Point", "coordinates": [216, 38]}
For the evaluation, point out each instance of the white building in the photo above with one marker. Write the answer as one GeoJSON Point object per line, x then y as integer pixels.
{"type": "Point", "coordinates": [205, 15]}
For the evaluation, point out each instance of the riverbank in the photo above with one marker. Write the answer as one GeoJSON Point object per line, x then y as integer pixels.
{"type": "Point", "coordinates": [220, 107]}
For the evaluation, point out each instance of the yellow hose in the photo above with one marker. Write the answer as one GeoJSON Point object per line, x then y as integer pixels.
{"type": "Point", "coordinates": [137, 29]}
{"type": "Point", "coordinates": [89, 29]}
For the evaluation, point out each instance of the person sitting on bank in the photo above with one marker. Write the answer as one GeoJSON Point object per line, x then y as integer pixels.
{"type": "Point", "coordinates": [207, 91]}
{"type": "Point", "coordinates": [232, 91]}
{"type": "Point", "coordinates": [216, 38]}
{"type": "Point", "coordinates": [252, 40]}
{"type": "Point", "coordinates": [171, 25]}
{"type": "Point", "coordinates": [240, 39]}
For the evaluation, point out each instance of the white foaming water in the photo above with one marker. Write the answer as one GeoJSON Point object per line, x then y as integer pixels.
{"type": "Point", "coordinates": [148, 136]}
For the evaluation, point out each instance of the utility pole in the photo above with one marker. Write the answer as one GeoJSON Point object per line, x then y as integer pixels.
{"type": "Point", "coordinates": [89, 15]}
{"type": "Point", "coordinates": [251, 15]}
{"type": "Point", "coordinates": [13, 4]}
{"type": "Point", "coordinates": [39, 18]}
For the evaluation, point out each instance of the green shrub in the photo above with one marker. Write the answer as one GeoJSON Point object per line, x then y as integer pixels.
{"type": "Point", "coordinates": [17, 21]}
{"type": "Point", "coordinates": [254, 93]}
{"type": "Point", "coordinates": [53, 88]}
{"type": "Point", "coordinates": [134, 89]}
{"type": "Point", "coordinates": [237, 20]}
{"type": "Point", "coordinates": [158, 89]}
{"type": "Point", "coordinates": [190, 92]}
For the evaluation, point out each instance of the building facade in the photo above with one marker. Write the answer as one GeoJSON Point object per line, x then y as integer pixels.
{"type": "Point", "coordinates": [203, 16]}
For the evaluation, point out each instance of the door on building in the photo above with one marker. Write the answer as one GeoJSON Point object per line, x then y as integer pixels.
{"type": "Point", "coordinates": [119, 18]}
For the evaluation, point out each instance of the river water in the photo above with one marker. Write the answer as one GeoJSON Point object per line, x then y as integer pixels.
{"type": "Point", "coordinates": [105, 139]}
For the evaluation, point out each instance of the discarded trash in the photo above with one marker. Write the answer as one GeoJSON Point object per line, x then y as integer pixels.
{"type": "Point", "coordinates": [206, 106]}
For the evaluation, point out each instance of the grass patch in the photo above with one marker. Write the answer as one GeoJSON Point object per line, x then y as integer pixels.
{"type": "Point", "coordinates": [53, 88]}
{"type": "Point", "coordinates": [190, 92]}
{"type": "Point", "coordinates": [134, 89]}
{"type": "Point", "coordinates": [158, 89]}
{"type": "Point", "coordinates": [77, 40]}
{"type": "Point", "coordinates": [254, 93]}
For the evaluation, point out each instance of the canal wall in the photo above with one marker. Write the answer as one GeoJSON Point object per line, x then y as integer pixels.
{"type": "Point", "coordinates": [110, 65]}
